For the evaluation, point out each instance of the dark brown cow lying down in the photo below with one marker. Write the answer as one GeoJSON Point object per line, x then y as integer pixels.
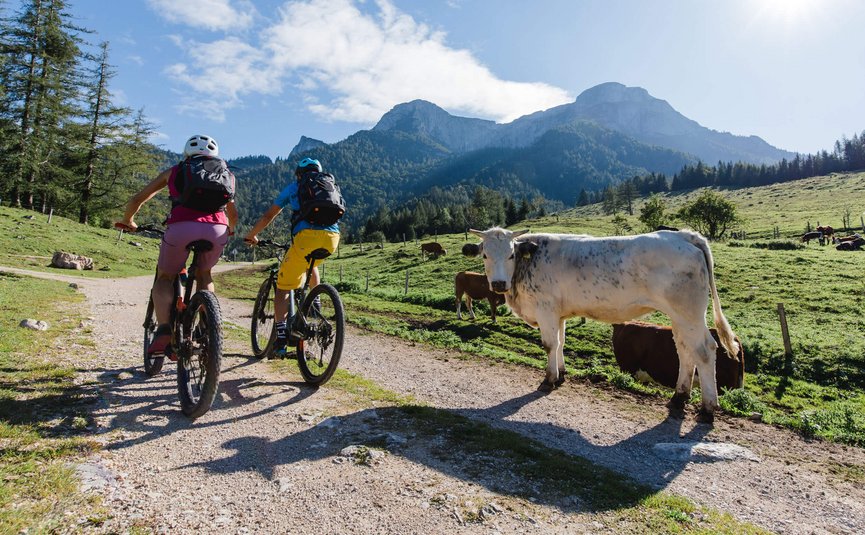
{"type": "Point", "coordinates": [475, 286]}
{"type": "Point", "coordinates": [650, 348]}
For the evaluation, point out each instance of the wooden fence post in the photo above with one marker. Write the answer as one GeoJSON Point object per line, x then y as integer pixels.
{"type": "Point", "coordinates": [340, 273]}
{"type": "Point", "coordinates": [785, 334]}
{"type": "Point", "coordinates": [406, 282]}
{"type": "Point", "coordinates": [50, 214]}
{"type": "Point", "coordinates": [367, 282]}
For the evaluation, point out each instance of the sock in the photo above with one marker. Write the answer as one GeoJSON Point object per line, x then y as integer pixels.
{"type": "Point", "coordinates": [281, 329]}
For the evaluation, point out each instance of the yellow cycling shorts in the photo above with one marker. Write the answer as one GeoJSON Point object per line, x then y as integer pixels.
{"type": "Point", "coordinates": [293, 267]}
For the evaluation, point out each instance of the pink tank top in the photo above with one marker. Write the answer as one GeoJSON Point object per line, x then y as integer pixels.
{"type": "Point", "coordinates": [182, 213]}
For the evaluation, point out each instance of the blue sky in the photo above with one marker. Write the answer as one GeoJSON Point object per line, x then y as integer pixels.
{"type": "Point", "coordinates": [258, 74]}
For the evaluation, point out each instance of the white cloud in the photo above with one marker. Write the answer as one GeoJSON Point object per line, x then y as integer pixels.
{"type": "Point", "coordinates": [349, 65]}
{"type": "Point", "coordinates": [208, 14]}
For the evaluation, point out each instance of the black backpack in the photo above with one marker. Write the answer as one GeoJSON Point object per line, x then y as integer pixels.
{"type": "Point", "coordinates": [204, 184]}
{"type": "Point", "coordinates": [321, 202]}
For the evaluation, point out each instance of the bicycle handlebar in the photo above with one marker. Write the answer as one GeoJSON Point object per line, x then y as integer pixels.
{"type": "Point", "coordinates": [271, 243]}
{"type": "Point", "coordinates": [140, 228]}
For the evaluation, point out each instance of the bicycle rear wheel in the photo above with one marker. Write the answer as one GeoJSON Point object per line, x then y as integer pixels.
{"type": "Point", "coordinates": [201, 355]}
{"type": "Point", "coordinates": [152, 363]}
{"type": "Point", "coordinates": [319, 352]}
{"type": "Point", "coordinates": [262, 318]}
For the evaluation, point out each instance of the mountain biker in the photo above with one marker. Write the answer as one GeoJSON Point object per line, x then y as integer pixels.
{"type": "Point", "coordinates": [306, 237]}
{"type": "Point", "coordinates": [184, 226]}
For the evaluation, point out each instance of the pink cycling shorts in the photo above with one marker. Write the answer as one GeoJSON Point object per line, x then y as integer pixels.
{"type": "Point", "coordinates": [173, 253]}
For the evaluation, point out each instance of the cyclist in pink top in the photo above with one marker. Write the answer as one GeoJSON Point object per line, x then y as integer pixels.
{"type": "Point", "coordinates": [185, 225]}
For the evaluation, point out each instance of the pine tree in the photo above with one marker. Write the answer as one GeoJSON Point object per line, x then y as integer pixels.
{"type": "Point", "coordinates": [41, 54]}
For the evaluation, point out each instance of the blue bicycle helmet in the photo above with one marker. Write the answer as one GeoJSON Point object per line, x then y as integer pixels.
{"type": "Point", "coordinates": [307, 164]}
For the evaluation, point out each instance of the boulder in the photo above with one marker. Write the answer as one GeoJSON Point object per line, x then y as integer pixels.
{"type": "Point", "coordinates": [36, 325]}
{"type": "Point", "coordinates": [71, 261]}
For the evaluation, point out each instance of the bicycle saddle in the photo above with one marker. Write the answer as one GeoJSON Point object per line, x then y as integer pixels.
{"type": "Point", "coordinates": [318, 254]}
{"type": "Point", "coordinates": [199, 246]}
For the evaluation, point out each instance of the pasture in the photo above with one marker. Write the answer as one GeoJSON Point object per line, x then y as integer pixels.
{"type": "Point", "coordinates": [819, 390]}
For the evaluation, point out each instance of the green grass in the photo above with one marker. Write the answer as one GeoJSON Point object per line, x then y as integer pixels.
{"type": "Point", "coordinates": [42, 411]}
{"type": "Point", "coordinates": [28, 241]}
{"type": "Point", "coordinates": [823, 292]}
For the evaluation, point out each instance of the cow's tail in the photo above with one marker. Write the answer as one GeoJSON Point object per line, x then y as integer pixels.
{"type": "Point", "coordinates": [725, 332]}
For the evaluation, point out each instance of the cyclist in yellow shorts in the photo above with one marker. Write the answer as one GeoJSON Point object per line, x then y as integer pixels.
{"type": "Point", "coordinates": [306, 237]}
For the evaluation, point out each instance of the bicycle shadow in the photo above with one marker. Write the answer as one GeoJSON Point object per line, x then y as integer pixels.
{"type": "Point", "coordinates": [147, 408]}
{"type": "Point", "coordinates": [472, 445]}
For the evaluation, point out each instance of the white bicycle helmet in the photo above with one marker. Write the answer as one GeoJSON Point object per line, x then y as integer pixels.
{"type": "Point", "coordinates": [199, 145]}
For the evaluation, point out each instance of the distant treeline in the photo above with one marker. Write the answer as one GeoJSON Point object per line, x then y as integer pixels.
{"type": "Point", "coordinates": [450, 210]}
{"type": "Point", "coordinates": [848, 155]}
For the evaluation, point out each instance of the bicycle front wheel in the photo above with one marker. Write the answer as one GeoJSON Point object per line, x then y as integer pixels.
{"type": "Point", "coordinates": [319, 352]}
{"type": "Point", "coordinates": [201, 355]}
{"type": "Point", "coordinates": [152, 362]}
{"type": "Point", "coordinates": [262, 318]}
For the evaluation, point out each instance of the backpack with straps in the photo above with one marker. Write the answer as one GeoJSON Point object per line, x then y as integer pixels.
{"type": "Point", "coordinates": [321, 202]}
{"type": "Point", "coordinates": [204, 184]}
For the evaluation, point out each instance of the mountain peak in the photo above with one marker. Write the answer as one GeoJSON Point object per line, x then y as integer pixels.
{"type": "Point", "coordinates": [422, 118]}
{"type": "Point", "coordinates": [613, 92]}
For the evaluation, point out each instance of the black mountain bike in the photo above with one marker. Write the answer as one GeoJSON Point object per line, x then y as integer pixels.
{"type": "Point", "coordinates": [317, 315]}
{"type": "Point", "coordinates": [196, 337]}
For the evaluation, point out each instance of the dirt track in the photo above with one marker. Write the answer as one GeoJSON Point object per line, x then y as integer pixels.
{"type": "Point", "coordinates": [266, 458]}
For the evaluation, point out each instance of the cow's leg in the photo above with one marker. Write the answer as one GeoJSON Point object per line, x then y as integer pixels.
{"type": "Point", "coordinates": [549, 326]}
{"type": "Point", "coordinates": [706, 355]}
{"type": "Point", "coordinates": [696, 349]}
{"type": "Point", "coordinates": [469, 306]}
{"type": "Point", "coordinates": [459, 306]}
{"type": "Point", "coordinates": [492, 307]}
{"type": "Point", "coordinates": [560, 353]}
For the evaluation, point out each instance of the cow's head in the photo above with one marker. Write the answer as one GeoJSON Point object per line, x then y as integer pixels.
{"type": "Point", "coordinates": [499, 250]}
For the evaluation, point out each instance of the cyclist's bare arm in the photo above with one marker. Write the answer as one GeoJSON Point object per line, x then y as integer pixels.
{"type": "Point", "coordinates": [231, 213]}
{"type": "Point", "coordinates": [262, 223]}
{"type": "Point", "coordinates": [146, 193]}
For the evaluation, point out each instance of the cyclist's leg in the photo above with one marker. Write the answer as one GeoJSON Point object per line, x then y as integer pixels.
{"type": "Point", "coordinates": [172, 258]}
{"type": "Point", "coordinates": [288, 278]}
{"type": "Point", "coordinates": [217, 234]}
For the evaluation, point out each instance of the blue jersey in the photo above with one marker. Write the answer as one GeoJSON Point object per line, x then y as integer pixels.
{"type": "Point", "coordinates": [288, 197]}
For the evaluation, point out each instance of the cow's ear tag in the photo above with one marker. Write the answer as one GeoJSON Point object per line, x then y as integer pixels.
{"type": "Point", "coordinates": [527, 249]}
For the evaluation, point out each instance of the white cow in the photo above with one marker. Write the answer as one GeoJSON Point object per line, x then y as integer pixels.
{"type": "Point", "coordinates": [548, 278]}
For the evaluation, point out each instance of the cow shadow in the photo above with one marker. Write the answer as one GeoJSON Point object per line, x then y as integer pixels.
{"type": "Point", "coordinates": [482, 447]}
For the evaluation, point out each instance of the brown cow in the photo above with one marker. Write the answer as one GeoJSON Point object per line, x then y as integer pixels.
{"type": "Point", "coordinates": [808, 236]}
{"type": "Point", "coordinates": [475, 286]}
{"type": "Point", "coordinates": [650, 348]}
{"type": "Point", "coordinates": [432, 248]}
{"type": "Point", "coordinates": [828, 232]}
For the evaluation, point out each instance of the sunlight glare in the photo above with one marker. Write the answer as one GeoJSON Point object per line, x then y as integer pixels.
{"type": "Point", "coordinates": [787, 12]}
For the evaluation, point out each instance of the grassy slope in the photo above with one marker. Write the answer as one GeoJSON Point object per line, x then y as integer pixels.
{"type": "Point", "coordinates": [42, 411]}
{"type": "Point", "coordinates": [28, 241]}
{"type": "Point", "coordinates": [819, 391]}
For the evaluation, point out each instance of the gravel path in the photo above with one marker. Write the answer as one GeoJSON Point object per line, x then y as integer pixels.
{"type": "Point", "coordinates": [270, 455]}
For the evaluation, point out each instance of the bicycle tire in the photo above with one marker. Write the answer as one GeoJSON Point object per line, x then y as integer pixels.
{"type": "Point", "coordinates": [152, 363]}
{"type": "Point", "coordinates": [319, 352]}
{"type": "Point", "coordinates": [262, 319]}
{"type": "Point", "coordinates": [201, 355]}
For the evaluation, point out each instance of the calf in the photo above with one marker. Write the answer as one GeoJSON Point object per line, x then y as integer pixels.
{"type": "Point", "coordinates": [808, 236]}
{"type": "Point", "coordinates": [650, 348]}
{"type": "Point", "coordinates": [432, 248]}
{"type": "Point", "coordinates": [548, 278]}
{"type": "Point", "coordinates": [475, 286]}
